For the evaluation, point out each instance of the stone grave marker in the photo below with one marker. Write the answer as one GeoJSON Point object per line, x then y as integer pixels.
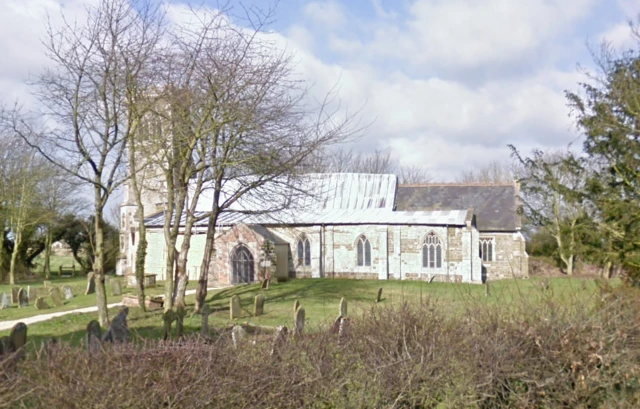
{"type": "Point", "coordinates": [116, 287]}
{"type": "Point", "coordinates": [299, 321]}
{"type": "Point", "coordinates": [23, 298]}
{"type": "Point", "coordinates": [168, 318]}
{"type": "Point", "coordinates": [14, 295]}
{"type": "Point", "coordinates": [18, 337]}
{"type": "Point", "coordinates": [93, 337]}
{"type": "Point", "coordinates": [118, 330]}
{"type": "Point", "coordinates": [279, 339]}
{"type": "Point", "coordinates": [41, 304]}
{"type": "Point", "coordinates": [296, 305]}
{"type": "Point", "coordinates": [237, 335]}
{"type": "Point", "coordinates": [343, 307]}
{"type": "Point", "coordinates": [55, 296]}
{"type": "Point", "coordinates": [235, 310]}
{"type": "Point", "coordinates": [204, 328]}
{"type": "Point", "coordinates": [258, 305]}
{"type": "Point", "coordinates": [265, 284]}
{"type": "Point", "coordinates": [335, 327]}
{"type": "Point", "coordinates": [32, 293]}
{"type": "Point", "coordinates": [379, 297]}
{"type": "Point", "coordinates": [342, 331]}
{"type": "Point", "coordinates": [5, 301]}
{"type": "Point", "coordinates": [68, 292]}
{"type": "Point", "coordinates": [91, 284]}
{"type": "Point", "coordinates": [46, 283]}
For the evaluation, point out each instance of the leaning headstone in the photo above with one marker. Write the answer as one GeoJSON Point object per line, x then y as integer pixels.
{"type": "Point", "coordinates": [379, 297]}
{"type": "Point", "coordinates": [235, 310]}
{"type": "Point", "coordinates": [46, 283]}
{"type": "Point", "coordinates": [118, 330]}
{"type": "Point", "coordinates": [237, 335]}
{"type": "Point", "coordinates": [93, 337]}
{"type": "Point", "coordinates": [296, 305]}
{"type": "Point", "coordinates": [204, 329]}
{"type": "Point", "coordinates": [23, 298]}
{"type": "Point", "coordinates": [168, 318]}
{"type": "Point", "coordinates": [68, 292]}
{"type": "Point", "coordinates": [299, 321]}
{"type": "Point", "coordinates": [18, 337]}
{"type": "Point", "coordinates": [91, 284]}
{"type": "Point", "coordinates": [55, 296]}
{"type": "Point", "coordinates": [279, 340]}
{"type": "Point", "coordinates": [116, 287]}
{"type": "Point", "coordinates": [265, 284]}
{"type": "Point", "coordinates": [14, 295]}
{"type": "Point", "coordinates": [258, 305]}
{"type": "Point", "coordinates": [5, 301]}
{"type": "Point", "coordinates": [41, 304]}
{"type": "Point", "coordinates": [343, 307]}
{"type": "Point", "coordinates": [32, 293]}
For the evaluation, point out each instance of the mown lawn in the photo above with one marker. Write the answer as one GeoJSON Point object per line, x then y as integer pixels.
{"type": "Point", "coordinates": [321, 298]}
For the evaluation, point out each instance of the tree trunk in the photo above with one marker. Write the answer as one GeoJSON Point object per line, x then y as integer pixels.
{"type": "Point", "coordinates": [2, 239]}
{"type": "Point", "coordinates": [14, 256]}
{"type": "Point", "coordinates": [98, 264]}
{"type": "Point", "coordinates": [207, 257]}
{"type": "Point", "coordinates": [141, 254]}
{"type": "Point", "coordinates": [47, 253]}
{"type": "Point", "coordinates": [171, 238]}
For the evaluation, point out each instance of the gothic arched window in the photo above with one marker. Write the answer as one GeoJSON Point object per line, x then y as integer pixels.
{"type": "Point", "coordinates": [431, 251]}
{"type": "Point", "coordinates": [363, 248]}
{"type": "Point", "coordinates": [304, 251]}
{"type": "Point", "coordinates": [242, 265]}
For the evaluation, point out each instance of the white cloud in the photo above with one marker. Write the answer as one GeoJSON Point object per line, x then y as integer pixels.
{"type": "Point", "coordinates": [329, 13]}
{"type": "Point", "coordinates": [619, 36]}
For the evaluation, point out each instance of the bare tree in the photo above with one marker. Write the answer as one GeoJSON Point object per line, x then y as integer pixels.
{"type": "Point", "coordinates": [413, 175]}
{"type": "Point", "coordinates": [493, 172]}
{"type": "Point", "coordinates": [84, 99]}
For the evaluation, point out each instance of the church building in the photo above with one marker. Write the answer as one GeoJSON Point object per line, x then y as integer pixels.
{"type": "Point", "coordinates": [361, 226]}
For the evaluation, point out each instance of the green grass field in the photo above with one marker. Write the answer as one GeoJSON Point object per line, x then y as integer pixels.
{"type": "Point", "coordinates": [321, 298]}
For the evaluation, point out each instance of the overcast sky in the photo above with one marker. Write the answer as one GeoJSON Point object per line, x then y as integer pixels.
{"type": "Point", "coordinates": [447, 83]}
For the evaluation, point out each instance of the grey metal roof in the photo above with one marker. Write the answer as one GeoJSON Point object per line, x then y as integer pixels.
{"type": "Point", "coordinates": [334, 217]}
{"type": "Point", "coordinates": [494, 205]}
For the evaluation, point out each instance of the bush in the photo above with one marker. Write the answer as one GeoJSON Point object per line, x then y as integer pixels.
{"type": "Point", "coordinates": [530, 354]}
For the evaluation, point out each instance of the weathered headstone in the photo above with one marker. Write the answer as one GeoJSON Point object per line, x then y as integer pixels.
{"type": "Point", "coordinates": [204, 328]}
{"type": "Point", "coordinates": [265, 284]}
{"type": "Point", "coordinates": [46, 283]}
{"type": "Point", "coordinates": [118, 330]}
{"type": "Point", "coordinates": [32, 293]}
{"type": "Point", "coordinates": [279, 340]}
{"type": "Point", "coordinates": [258, 305]}
{"type": "Point", "coordinates": [343, 307]}
{"type": "Point", "coordinates": [335, 328]}
{"type": "Point", "coordinates": [168, 318]}
{"type": "Point", "coordinates": [18, 337]}
{"type": "Point", "coordinates": [237, 335]}
{"type": "Point", "coordinates": [296, 305]}
{"type": "Point", "coordinates": [5, 301]}
{"type": "Point", "coordinates": [299, 321]}
{"type": "Point", "coordinates": [23, 298]}
{"type": "Point", "coordinates": [342, 331]}
{"type": "Point", "coordinates": [91, 284]}
{"type": "Point", "coordinates": [235, 309]}
{"type": "Point", "coordinates": [55, 296]}
{"type": "Point", "coordinates": [379, 297]}
{"type": "Point", "coordinates": [116, 287]}
{"type": "Point", "coordinates": [41, 304]}
{"type": "Point", "coordinates": [93, 337]}
{"type": "Point", "coordinates": [68, 292]}
{"type": "Point", "coordinates": [14, 295]}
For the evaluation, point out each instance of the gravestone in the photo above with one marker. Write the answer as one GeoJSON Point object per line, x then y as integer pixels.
{"type": "Point", "coordinates": [296, 305]}
{"type": "Point", "coordinates": [93, 337]}
{"type": "Point", "coordinates": [343, 307]}
{"type": "Point", "coordinates": [55, 296]}
{"type": "Point", "coordinates": [204, 329]}
{"type": "Point", "coordinates": [265, 284]}
{"type": "Point", "coordinates": [91, 284]}
{"type": "Point", "coordinates": [235, 310]}
{"type": "Point", "coordinates": [32, 293]}
{"type": "Point", "coordinates": [258, 305]}
{"type": "Point", "coordinates": [116, 287]}
{"type": "Point", "coordinates": [23, 298]}
{"type": "Point", "coordinates": [299, 321]}
{"type": "Point", "coordinates": [18, 337]}
{"type": "Point", "coordinates": [14, 295]}
{"type": "Point", "coordinates": [168, 318]}
{"type": "Point", "coordinates": [335, 328]}
{"type": "Point", "coordinates": [46, 283]}
{"type": "Point", "coordinates": [237, 335]}
{"type": "Point", "coordinates": [118, 330]}
{"type": "Point", "coordinates": [279, 340]}
{"type": "Point", "coordinates": [379, 297]}
{"type": "Point", "coordinates": [5, 301]}
{"type": "Point", "coordinates": [342, 331]}
{"type": "Point", "coordinates": [68, 292]}
{"type": "Point", "coordinates": [41, 304]}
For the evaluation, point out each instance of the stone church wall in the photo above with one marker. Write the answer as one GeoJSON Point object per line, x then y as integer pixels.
{"type": "Point", "coordinates": [510, 259]}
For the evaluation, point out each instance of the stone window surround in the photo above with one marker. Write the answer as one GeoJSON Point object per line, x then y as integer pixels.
{"type": "Point", "coordinates": [365, 242]}
{"type": "Point", "coordinates": [305, 261]}
{"type": "Point", "coordinates": [424, 244]}
{"type": "Point", "coordinates": [490, 240]}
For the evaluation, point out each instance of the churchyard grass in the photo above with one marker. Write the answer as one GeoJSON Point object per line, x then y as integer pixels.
{"type": "Point", "coordinates": [321, 299]}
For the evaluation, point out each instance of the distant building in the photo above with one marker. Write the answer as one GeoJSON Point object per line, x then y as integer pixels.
{"type": "Point", "coordinates": [355, 226]}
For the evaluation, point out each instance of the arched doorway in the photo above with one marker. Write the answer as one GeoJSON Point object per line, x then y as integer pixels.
{"type": "Point", "coordinates": [242, 265]}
